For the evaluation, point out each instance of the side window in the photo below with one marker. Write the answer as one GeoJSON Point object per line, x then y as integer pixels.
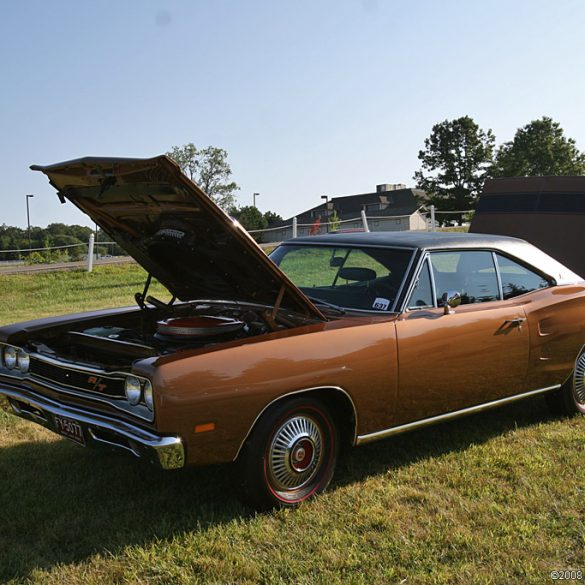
{"type": "Point", "coordinates": [471, 273]}
{"type": "Point", "coordinates": [422, 294]}
{"type": "Point", "coordinates": [517, 279]}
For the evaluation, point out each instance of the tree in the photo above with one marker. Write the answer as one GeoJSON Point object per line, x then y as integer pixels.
{"type": "Point", "coordinates": [57, 228]}
{"type": "Point", "coordinates": [455, 161]}
{"type": "Point", "coordinates": [55, 235]}
{"type": "Point", "coordinates": [208, 167]}
{"type": "Point", "coordinates": [12, 238]}
{"type": "Point", "coordinates": [272, 217]}
{"type": "Point", "coordinates": [251, 219]}
{"type": "Point", "coordinates": [539, 148]}
{"type": "Point", "coordinates": [187, 157]}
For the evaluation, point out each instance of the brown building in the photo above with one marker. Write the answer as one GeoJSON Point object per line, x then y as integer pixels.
{"type": "Point", "coordinates": [547, 211]}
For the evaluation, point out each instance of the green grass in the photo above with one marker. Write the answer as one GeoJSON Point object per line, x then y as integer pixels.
{"type": "Point", "coordinates": [30, 296]}
{"type": "Point", "coordinates": [494, 498]}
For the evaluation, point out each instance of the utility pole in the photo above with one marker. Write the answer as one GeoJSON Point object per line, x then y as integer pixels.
{"type": "Point", "coordinates": [28, 221]}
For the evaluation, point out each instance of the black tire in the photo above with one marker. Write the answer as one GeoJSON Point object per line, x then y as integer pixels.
{"type": "Point", "coordinates": [569, 400]}
{"type": "Point", "coordinates": [290, 455]}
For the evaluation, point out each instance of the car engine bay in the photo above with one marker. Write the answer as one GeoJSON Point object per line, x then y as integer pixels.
{"type": "Point", "coordinates": [115, 341]}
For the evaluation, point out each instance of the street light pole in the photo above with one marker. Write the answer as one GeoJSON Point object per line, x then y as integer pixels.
{"type": "Point", "coordinates": [28, 221]}
{"type": "Point", "coordinates": [254, 195]}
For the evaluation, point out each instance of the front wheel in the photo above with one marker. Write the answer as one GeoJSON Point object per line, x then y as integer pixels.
{"type": "Point", "coordinates": [569, 400]}
{"type": "Point", "coordinates": [290, 455]}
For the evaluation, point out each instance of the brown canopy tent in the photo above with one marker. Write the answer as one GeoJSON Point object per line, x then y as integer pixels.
{"type": "Point", "coordinates": [549, 212]}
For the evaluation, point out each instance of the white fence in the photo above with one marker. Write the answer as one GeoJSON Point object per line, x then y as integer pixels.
{"type": "Point", "coordinates": [56, 254]}
{"type": "Point", "coordinates": [423, 219]}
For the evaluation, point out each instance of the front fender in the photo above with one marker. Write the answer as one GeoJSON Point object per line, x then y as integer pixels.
{"type": "Point", "coordinates": [230, 387]}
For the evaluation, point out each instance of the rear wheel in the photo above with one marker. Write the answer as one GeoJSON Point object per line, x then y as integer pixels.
{"type": "Point", "coordinates": [290, 455]}
{"type": "Point", "coordinates": [569, 400]}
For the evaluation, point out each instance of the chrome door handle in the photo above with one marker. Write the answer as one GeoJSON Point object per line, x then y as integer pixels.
{"type": "Point", "coordinates": [518, 321]}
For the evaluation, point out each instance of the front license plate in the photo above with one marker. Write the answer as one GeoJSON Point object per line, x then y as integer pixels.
{"type": "Point", "coordinates": [70, 429]}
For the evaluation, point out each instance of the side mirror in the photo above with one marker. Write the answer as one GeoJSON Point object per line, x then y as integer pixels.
{"type": "Point", "coordinates": [451, 299]}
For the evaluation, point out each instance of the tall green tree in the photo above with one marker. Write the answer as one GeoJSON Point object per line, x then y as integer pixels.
{"type": "Point", "coordinates": [539, 148]}
{"type": "Point", "coordinates": [54, 235]}
{"type": "Point", "coordinates": [209, 168]}
{"type": "Point", "coordinates": [454, 164]}
{"type": "Point", "coordinates": [272, 217]}
{"type": "Point", "coordinates": [251, 219]}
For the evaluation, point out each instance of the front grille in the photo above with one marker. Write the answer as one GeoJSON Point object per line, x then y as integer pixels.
{"type": "Point", "coordinates": [85, 381]}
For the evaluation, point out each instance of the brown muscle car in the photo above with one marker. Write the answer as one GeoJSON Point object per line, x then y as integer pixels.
{"type": "Point", "coordinates": [276, 363]}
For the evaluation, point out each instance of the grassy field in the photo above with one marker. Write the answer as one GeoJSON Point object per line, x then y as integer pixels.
{"type": "Point", "coordinates": [28, 296]}
{"type": "Point", "coordinates": [494, 498]}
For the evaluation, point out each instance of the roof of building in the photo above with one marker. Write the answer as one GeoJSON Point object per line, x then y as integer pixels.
{"type": "Point", "coordinates": [400, 202]}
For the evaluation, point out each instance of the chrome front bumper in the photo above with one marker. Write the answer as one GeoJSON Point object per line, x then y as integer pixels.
{"type": "Point", "coordinates": [98, 430]}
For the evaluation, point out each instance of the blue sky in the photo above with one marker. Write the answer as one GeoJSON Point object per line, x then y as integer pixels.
{"type": "Point", "coordinates": [310, 98]}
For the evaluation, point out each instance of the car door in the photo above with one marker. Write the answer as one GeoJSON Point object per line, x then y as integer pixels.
{"type": "Point", "coordinates": [473, 354]}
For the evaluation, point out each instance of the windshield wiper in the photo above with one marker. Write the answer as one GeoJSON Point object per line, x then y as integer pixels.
{"type": "Point", "coordinates": [335, 308]}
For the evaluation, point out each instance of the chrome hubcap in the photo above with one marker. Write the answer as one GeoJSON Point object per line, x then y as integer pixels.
{"type": "Point", "coordinates": [579, 380]}
{"type": "Point", "coordinates": [295, 453]}
{"type": "Point", "coordinates": [302, 455]}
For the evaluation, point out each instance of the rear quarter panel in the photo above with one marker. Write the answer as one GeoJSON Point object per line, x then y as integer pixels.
{"type": "Point", "coordinates": [556, 318]}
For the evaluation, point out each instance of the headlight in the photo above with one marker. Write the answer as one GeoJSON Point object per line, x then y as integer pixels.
{"type": "Point", "coordinates": [23, 361]}
{"type": "Point", "coordinates": [10, 357]}
{"type": "Point", "coordinates": [148, 397]}
{"type": "Point", "coordinates": [133, 390]}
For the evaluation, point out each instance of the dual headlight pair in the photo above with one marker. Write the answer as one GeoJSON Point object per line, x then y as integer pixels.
{"type": "Point", "coordinates": [137, 390]}
{"type": "Point", "coordinates": [13, 358]}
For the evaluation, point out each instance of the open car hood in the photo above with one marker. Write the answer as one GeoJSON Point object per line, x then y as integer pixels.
{"type": "Point", "coordinates": [175, 231]}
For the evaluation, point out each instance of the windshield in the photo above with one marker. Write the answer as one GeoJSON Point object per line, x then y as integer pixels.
{"type": "Point", "coordinates": [365, 279]}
